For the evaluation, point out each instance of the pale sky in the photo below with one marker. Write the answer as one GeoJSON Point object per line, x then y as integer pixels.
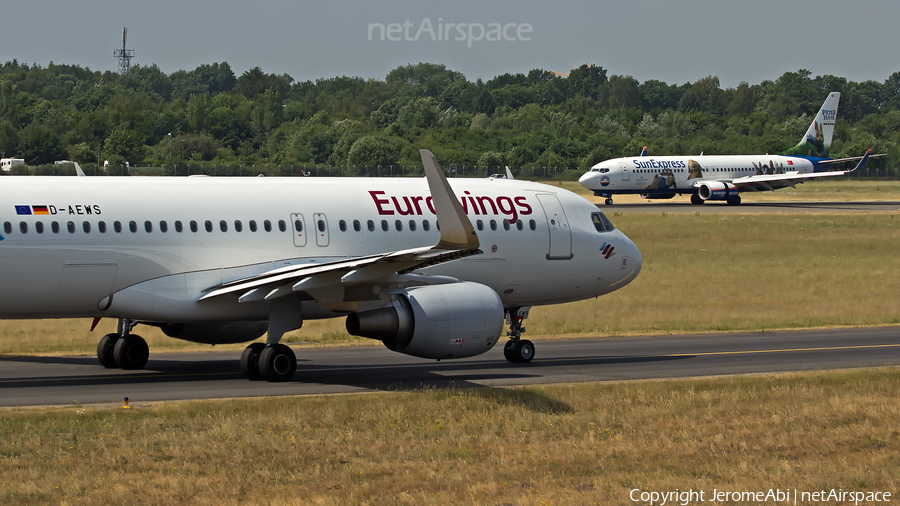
{"type": "Point", "coordinates": [670, 40]}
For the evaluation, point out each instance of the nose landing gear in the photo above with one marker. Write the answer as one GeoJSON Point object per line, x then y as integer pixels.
{"type": "Point", "coordinates": [517, 349]}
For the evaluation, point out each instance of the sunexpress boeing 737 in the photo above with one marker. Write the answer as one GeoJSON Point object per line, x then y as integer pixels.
{"type": "Point", "coordinates": [432, 268]}
{"type": "Point", "coordinates": [722, 177]}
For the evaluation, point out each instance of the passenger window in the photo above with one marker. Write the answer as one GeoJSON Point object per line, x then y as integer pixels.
{"type": "Point", "coordinates": [520, 225]}
{"type": "Point", "coordinates": [384, 225]}
{"type": "Point", "coordinates": [370, 225]}
{"type": "Point", "coordinates": [479, 224]}
{"type": "Point", "coordinates": [342, 225]}
{"type": "Point", "coordinates": [505, 224]}
{"type": "Point", "coordinates": [23, 227]}
{"type": "Point", "coordinates": [282, 225]}
{"type": "Point", "coordinates": [148, 226]}
{"type": "Point", "coordinates": [298, 225]}
{"type": "Point", "coordinates": [70, 226]}
{"type": "Point", "coordinates": [267, 225]}
{"type": "Point", "coordinates": [493, 224]}
{"type": "Point", "coordinates": [163, 227]}
{"type": "Point", "coordinates": [532, 224]}
{"type": "Point", "coordinates": [7, 227]}
{"type": "Point", "coordinates": [321, 225]}
{"type": "Point", "coordinates": [238, 226]}
{"type": "Point", "coordinates": [437, 225]}
{"type": "Point", "coordinates": [398, 225]}
{"type": "Point", "coordinates": [86, 226]}
{"type": "Point", "coordinates": [194, 227]}
{"type": "Point", "coordinates": [39, 227]}
{"type": "Point", "coordinates": [117, 226]}
{"type": "Point", "coordinates": [253, 225]}
{"type": "Point", "coordinates": [208, 225]}
{"type": "Point", "coordinates": [425, 225]}
{"type": "Point", "coordinates": [101, 226]}
{"type": "Point", "coordinates": [178, 226]}
{"type": "Point", "coordinates": [132, 225]}
{"type": "Point", "coordinates": [223, 225]}
{"type": "Point", "coordinates": [412, 225]}
{"type": "Point", "coordinates": [356, 225]}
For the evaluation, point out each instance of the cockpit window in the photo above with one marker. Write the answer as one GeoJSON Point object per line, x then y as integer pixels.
{"type": "Point", "coordinates": [601, 222]}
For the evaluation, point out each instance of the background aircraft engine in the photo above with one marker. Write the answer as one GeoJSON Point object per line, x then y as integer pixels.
{"type": "Point", "coordinates": [716, 190]}
{"type": "Point", "coordinates": [216, 332]}
{"type": "Point", "coordinates": [454, 320]}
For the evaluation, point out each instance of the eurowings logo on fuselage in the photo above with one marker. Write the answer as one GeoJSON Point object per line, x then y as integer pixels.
{"type": "Point", "coordinates": [607, 250]}
{"type": "Point", "coordinates": [510, 207]}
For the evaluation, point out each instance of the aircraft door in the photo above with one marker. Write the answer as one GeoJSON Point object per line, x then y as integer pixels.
{"type": "Point", "coordinates": [560, 233]}
{"type": "Point", "coordinates": [626, 175]}
{"type": "Point", "coordinates": [321, 229]}
{"type": "Point", "coordinates": [299, 229]}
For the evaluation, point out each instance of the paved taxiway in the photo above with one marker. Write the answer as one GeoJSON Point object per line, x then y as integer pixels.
{"type": "Point", "coordinates": [748, 206]}
{"type": "Point", "coordinates": [28, 381]}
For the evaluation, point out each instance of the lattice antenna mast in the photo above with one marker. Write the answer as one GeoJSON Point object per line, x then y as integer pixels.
{"type": "Point", "coordinates": [124, 55]}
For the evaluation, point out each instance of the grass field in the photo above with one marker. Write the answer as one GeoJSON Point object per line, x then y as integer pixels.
{"type": "Point", "coordinates": [564, 444]}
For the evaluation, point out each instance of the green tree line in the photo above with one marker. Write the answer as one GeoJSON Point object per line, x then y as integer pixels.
{"type": "Point", "coordinates": [534, 119]}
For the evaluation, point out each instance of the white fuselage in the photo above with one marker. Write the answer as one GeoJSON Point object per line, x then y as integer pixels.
{"type": "Point", "coordinates": [148, 247]}
{"type": "Point", "coordinates": [667, 175]}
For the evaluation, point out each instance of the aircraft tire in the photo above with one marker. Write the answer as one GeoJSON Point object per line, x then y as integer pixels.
{"type": "Point", "coordinates": [733, 201]}
{"type": "Point", "coordinates": [609, 201]}
{"type": "Point", "coordinates": [507, 350]}
{"type": "Point", "coordinates": [696, 200]}
{"type": "Point", "coordinates": [523, 351]}
{"type": "Point", "coordinates": [277, 363]}
{"type": "Point", "coordinates": [250, 361]}
{"type": "Point", "coordinates": [131, 352]}
{"type": "Point", "coordinates": [105, 350]}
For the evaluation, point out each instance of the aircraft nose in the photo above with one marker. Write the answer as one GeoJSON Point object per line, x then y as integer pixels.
{"type": "Point", "coordinates": [632, 261]}
{"type": "Point", "coordinates": [586, 178]}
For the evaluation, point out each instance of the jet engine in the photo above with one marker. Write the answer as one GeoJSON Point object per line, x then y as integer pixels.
{"type": "Point", "coordinates": [453, 320]}
{"type": "Point", "coordinates": [717, 190]}
{"type": "Point", "coordinates": [216, 332]}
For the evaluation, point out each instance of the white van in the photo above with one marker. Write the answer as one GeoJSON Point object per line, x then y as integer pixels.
{"type": "Point", "coordinates": [6, 164]}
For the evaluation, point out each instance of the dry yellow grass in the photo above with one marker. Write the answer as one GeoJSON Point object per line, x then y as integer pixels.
{"type": "Point", "coordinates": [569, 444]}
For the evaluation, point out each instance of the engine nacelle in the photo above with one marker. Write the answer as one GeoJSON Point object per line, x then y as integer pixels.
{"type": "Point", "coordinates": [216, 332]}
{"type": "Point", "coordinates": [717, 190]}
{"type": "Point", "coordinates": [454, 320]}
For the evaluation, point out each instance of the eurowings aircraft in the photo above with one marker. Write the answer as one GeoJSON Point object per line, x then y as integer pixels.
{"type": "Point", "coordinates": [431, 268]}
{"type": "Point", "coordinates": [722, 177]}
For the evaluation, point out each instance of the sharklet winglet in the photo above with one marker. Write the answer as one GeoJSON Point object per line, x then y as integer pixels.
{"type": "Point", "coordinates": [457, 232]}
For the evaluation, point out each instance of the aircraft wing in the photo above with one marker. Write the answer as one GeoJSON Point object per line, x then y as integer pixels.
{"type": "Point", "coordinates": [458, 239]}
{"type": "Point", "coordinates": [769, 182]}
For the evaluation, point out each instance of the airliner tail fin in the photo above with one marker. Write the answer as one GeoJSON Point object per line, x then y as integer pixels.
{"type": "Point", "coordinates": [817, 139]}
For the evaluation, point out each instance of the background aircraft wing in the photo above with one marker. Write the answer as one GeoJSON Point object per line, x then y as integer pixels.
{"type": "Point", "coordinates": [768, 182]}
{"type": "Point", "coordinates": [458, 239]}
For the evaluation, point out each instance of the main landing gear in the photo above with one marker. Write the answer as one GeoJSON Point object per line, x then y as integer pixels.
{"type": "Point", "coordinates": [123, 349]}
{"type": "Point", "coordinates": [275, 362]}
{"type": "Point", "coordinates": [608, 201]}
{"type": "Point", "coordinates": [517, 349]}
{"type": "Point", "coordinates": [696, 200]}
